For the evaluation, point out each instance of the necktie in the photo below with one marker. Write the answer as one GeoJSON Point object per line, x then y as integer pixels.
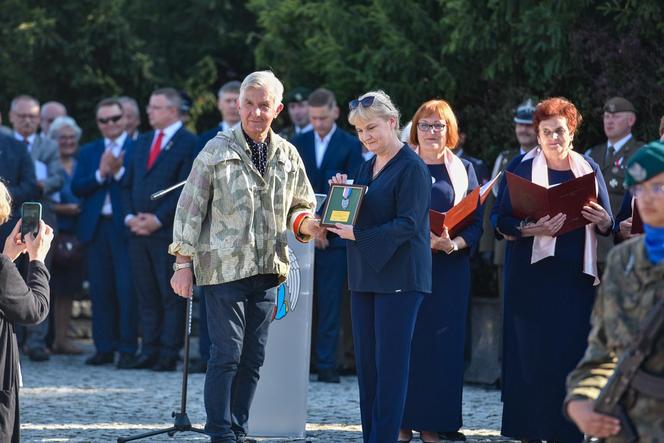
{"type": "Point", "coordinates": [610, 150]}
{"type": "Point", "coordinates": [156, 149]}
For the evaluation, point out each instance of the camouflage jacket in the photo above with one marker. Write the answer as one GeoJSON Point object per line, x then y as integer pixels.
{"type": "Point", "coordinates": [631, 286]}
{"type": "Point", "coordinates": [231, 220]}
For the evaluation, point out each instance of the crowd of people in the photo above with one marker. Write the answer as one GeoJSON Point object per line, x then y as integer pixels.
{"type": "Point", "coordinates": [409, 288]}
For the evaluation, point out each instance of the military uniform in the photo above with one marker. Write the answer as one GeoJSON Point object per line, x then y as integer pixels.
{"type": "Point", "coordinates": [631, 286]}
{"type": "Point", "coordinates": [613, 170]}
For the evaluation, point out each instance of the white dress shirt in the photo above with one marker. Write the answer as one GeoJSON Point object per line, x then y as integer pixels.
{"type": "Point", "coordinates": [320, 145]}
{"type": "Point", "coordinates": [115, 146]}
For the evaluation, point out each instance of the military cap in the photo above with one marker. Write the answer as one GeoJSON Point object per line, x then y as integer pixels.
{"type": "Point", "coordinates": [523, 114]}
{"type": "Point", "coordinates": [186, 102]}
{"type": "Point", "coordinates": [645, 164]}
{"type": "Point", "coordinates": [618, 104]}
{"type": "Point", "coordinates": [298, 94]}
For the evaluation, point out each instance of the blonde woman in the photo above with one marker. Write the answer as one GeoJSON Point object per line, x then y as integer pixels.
{"type": "Point", "coordinates": [19, 303]}
{"type": "Point", "coordinates": [389, 263]}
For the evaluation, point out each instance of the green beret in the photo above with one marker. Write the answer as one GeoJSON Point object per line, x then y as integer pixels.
{"type": "Point", "coordinates": [298, 94]}
{"type": "Point", "coordinates": [618, 104]}
{"type": "Point", "coordinates": [645, 164]}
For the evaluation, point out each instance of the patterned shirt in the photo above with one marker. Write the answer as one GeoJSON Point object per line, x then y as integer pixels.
{"type": "Point", "coordinates": [258, 152]}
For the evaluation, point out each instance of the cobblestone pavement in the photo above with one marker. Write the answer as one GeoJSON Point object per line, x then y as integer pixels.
{"type": "Point", "coordinates": [64, 400]}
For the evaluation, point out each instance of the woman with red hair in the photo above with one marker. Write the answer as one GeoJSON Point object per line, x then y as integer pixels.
{"type": "Point", "coordinates": [549, 282]}
{"type": "Point", "coordinates": [435, 385]}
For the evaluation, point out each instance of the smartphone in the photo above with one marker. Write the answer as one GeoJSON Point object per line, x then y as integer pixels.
{"type": "Point", "coordinates": [31, 214]}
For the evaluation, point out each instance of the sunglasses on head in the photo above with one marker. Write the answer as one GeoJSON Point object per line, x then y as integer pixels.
{"type": "Point", "coordinates": [113, 118]}
{"type": "Point", "coordinates": [365, 102]}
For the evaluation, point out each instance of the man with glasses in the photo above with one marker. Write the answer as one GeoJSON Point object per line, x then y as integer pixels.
{"type": "Point", "coordinates": [97, 181]}
{"type": "Point", "coordinates": [24, 116]}
{"type": "Point", "coordinates": [611, 156]}
{"type": "Point", "coordinates": [159, 159]}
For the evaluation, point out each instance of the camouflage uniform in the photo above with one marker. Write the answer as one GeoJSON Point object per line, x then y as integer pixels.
{"type": "Point", "coordinates": [631, 286]}
{"type": "Point", "coordinates": [231, 220]}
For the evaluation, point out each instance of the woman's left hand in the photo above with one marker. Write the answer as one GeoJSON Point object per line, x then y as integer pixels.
{"type": "Point", "coordinates": [13, 245]}
{"type": "Point", "coordinates": [595, 213]}
{"type": "Point", "coordinates": [343, 231]}
{"type": "Point", "coordinates": [442, 243]}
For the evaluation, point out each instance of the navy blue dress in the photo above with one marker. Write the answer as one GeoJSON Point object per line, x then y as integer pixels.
{"type": "Point", "coordinates": [546, 321]}
{"type": "Point", "coordinates": [435, 383]}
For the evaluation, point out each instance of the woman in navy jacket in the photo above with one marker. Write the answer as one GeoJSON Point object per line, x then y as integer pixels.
{"type": "Point", "coordinates": [389, 263]}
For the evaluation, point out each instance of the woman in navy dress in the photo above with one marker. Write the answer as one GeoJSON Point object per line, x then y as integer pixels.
{"type": "Point", "coordinates": [389, 263]}
{"type": "Point", "coordinates": [435, 383]}
{"type": "Point", "coordinates": [549, 283]}
{"type": "Point", "coordinates": [67, 281]}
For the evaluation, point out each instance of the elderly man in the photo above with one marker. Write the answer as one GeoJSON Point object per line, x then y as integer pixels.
{"type": "Point", "coordinates": [49, 112]}
{"type": "Point", "coordinates": [298, 111]}
{"type": "Point", "coordinates": [24, 115]}
{"type": "Point", "coordinates": [247, 188]}
{"type": "Point", "coordinates": [132, 116]}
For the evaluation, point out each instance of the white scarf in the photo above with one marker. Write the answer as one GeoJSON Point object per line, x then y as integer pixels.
{"type": "Point", "coordinates": [457, 172]}
{"type": "Point", "coordinates": [544, 245]}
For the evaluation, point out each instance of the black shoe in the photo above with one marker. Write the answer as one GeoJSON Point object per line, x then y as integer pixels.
{"type": "Point", "coordinates": [452, 436]}
{"type": "Point", "coordinates": [125, 361]}
{"type": "Point", "coordinates": [100, 358]}
{"type": "Point", "coordinates": [38, 354]}
{"type": "Point", "coordinates": [198, 366]}
{"type": "Point", "coordinates": [328, 376]}
{"type": "Point", "coordinates": [241, 437]}
{"type": "Point", "coordinates": [142, 361]}
{"type": "Point", "coordinates": [165, 364]}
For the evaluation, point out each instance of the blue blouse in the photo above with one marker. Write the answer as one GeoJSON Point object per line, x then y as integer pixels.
{"type": "Point", "coordinates": [392, 248]}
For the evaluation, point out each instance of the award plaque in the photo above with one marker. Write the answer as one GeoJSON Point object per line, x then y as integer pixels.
{"type": "Point", "coordinates": [343, 204]}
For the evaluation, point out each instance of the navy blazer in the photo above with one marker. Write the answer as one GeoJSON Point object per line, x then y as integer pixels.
{"type": "Point", "coordinates": [92, 193]}
{"type": "Point", "coordinates": [171, 167]}
{"type": "Point", "coordinates": [343, 155]}
{"type": "Point", "coordinates": [17, 172]}
{"type": "Point", "coordinates": [206, 137]}
{"type": "Point", "coordinates": [392, 248]}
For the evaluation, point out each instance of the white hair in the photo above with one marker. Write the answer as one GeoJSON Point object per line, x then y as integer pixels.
{"type": "Point", "coordinates": [264, 80]}
{"type": "Point", "coordinates": [61, 122]}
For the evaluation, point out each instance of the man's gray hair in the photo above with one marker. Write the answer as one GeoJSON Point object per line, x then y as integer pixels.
{"type": "Point", "coordinates": [60, 123]}
{"type": "Point", "coordinates": [20, 98]}
{"type": "Point", "coordinates": [130, 102]}
{"type": "Point", "coordinates": [264, 80]}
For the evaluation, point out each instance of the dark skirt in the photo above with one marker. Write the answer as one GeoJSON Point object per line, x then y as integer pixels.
{"type": "Point", "coordinates": [435, 383]}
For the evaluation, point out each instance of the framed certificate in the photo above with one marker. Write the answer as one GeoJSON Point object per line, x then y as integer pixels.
{"type": "Point", "coordinates": [343, 204]}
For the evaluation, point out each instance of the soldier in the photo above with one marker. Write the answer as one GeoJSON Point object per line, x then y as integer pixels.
{"type": "Point", "coordinates": [247, 188]}
{"type": "Point", "coordinates": [612, 156]}
{"type": "Point", "coordinates": [298, 111]}
{"type": "Point", "coordinates": [632, 284]}
{"type": "Point", "coordinates": [525, 135]}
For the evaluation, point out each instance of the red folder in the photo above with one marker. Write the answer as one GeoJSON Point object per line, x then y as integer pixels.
{"type": "Point", "coordinates": [637, 223]}
{"type": "Point", "coordinates": [460, 216]}
{"type": "Point", "coordinates": [532, 202]}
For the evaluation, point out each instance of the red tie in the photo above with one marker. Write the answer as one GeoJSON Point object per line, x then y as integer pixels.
{"type": "Point", "coordinates": [155, 150]}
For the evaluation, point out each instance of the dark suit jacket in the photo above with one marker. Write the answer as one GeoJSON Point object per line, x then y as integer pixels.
{"type": "Point", "coordinates": [171, 167]}
{"type": "Point", "coordinates": [206, 137]}
{"type": "Point", "coordinates": [343, 155]}
{"type": "Point", "coordinates": [93, 194]}
{"type": "Point", "coordinates": [17, 171]}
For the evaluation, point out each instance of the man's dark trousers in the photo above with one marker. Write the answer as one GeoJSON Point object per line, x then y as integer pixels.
{"type": "Point", "coordinates": [239, 314]}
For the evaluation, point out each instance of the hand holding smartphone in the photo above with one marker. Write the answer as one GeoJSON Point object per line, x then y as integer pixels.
{"type": "Point", "coordinates": [31, 214]}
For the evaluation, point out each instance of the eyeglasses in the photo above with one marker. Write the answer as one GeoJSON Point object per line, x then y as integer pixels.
{"type": "Point", "coordinates": [366, 102]}
{"type": "Point", "coordinates": [549, 134]}
{"type": "Point", "coordinates": [27, 116]}
{"type": "Point", "coordinates": [426, 127]}
{"type": "Point", "coordinates": [106, 120]}
{"type": "Point", "coordinates": [656, 189]}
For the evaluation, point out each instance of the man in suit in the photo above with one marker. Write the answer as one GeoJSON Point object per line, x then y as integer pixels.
{"type": "Point", "coordinates": [17, 172]}
{"type": "Point", "coordinates": [326, 151]}
{"type": "Point", "coordinates": [132, 116]}
{"type": "Point", "coordinates": [612, 156]}
{"type": "Point", "coordinates": [49, 112]}
{"type": "Point", "coordinates": [24, 115]}
{"type": "Point", "coordinates": [227, 105]}
{"type": "Point", "coordinates": [159, 159]}
{"type": "Point", "coordinates": [298, 111]}
{"type": "Point", "coordinates": [97, 181]}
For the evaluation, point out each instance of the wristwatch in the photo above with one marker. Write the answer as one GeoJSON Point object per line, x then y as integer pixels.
{"type": "Point", "coordinates": [454, 248]}
{"type": "Point", "coordinates": [178, 266]}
